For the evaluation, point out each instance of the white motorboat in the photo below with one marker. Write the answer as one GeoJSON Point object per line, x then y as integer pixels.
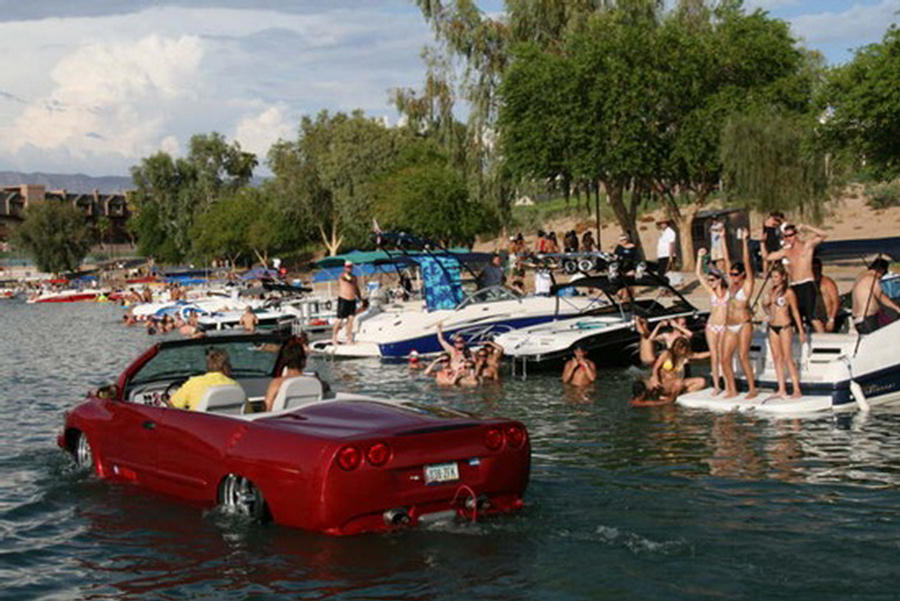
{"type": "Point", "coordinates": [838, 371]}
{"type": "Point", "coordinates": [607, 333]}
{"type": "Point", "coordinates": [398, 329]}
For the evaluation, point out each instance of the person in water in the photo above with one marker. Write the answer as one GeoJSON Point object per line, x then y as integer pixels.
{"type": "Point", "coordinates": [487, 361]}
{"type": "Point", "coordinates": [218, 372]}
{"type": "Point", "coordinates": [458, 351]}
{"type": "Point", "coordinates": [781, 306]}
{"type": "Point", "coordinates": [869, 297]}
{"type": "Point", "coordinates": [441, 370]}
{"type": "Point", "coordinates": [714, 284]}
{"type": "Point", "coordinates": [579, 370]}
{"type": "Point", "coordinates": [664, 334]}
{"type": "Point", "coordinates": [294, 362]}
{"type": "Point", "coordinates": [467, 376]}
{"type": "Point", "coordinates": [738, 319]}
{"type": "Point", "coordinates": [645, 396]}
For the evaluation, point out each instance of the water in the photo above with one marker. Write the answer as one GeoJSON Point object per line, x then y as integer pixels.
{"type": "Point", "coordinates": [623, 503]}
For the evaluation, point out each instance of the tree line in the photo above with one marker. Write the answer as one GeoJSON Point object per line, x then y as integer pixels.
{"type": "Point", "coordinates": [634, 101]}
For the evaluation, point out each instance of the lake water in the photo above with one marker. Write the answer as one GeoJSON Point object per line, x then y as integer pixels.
{"type": "Point", "coordinates": [623, 503]}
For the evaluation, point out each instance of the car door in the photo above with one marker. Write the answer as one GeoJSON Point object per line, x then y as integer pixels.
{"type": "Point", "coordinates": [133, 442]}
{"type": "Point", "coordinates": [192, 450]}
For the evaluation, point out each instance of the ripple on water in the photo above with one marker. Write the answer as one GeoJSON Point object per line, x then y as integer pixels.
{"type": "Point", "coordinates": [623, 503]}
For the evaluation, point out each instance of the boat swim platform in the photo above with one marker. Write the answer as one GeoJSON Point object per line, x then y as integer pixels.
{"type": "Point", "coordinates": [762, 404]}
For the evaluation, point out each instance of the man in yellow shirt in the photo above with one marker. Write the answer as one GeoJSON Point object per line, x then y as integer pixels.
{"type": "Point", "coordinates": [218, 368]}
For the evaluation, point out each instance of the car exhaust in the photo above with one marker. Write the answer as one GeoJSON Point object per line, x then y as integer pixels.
{"type": "Point", "coordinates": [481, 503]}
{"type": "Point", "coordinates": [398, 516]}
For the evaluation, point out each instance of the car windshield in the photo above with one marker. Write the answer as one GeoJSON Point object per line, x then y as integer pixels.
{"type": "Point", "coordinates": [247, 360]}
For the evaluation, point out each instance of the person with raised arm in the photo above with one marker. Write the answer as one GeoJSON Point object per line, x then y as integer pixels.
{"type": "Point", "coordinates": [579, 370]}
{"type": "Point", "coordinates": [713, 283]}
{"type": "Point", "coordinates": [799, 256]}
{"type": "Point", "coordinates": [739, 318]}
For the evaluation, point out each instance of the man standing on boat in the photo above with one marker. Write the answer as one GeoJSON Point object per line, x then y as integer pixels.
{"type": "Point", "coordinates": [348, 294]}
{"type": "Point", "coordinates": [798, 254]}
{"type": "Point", "coordinates": [869, 297]}
{"type": "Point", "coordinates": [665, 246]}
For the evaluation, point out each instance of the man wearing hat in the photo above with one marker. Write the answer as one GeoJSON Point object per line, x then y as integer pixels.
{"type": "Point", "coordinates": [348, 294]}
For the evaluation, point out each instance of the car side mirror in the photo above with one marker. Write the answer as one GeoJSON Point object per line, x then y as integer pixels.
{"type": "Point", "coordinates": [109, 392]}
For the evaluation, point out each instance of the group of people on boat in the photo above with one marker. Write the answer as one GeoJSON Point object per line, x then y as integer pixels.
{"type": "Point", "coordinates": [800, 300]}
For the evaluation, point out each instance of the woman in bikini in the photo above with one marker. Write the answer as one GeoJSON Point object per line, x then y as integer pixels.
{"type": "Point", "coordinates": [674, 328]}
{"type": "Point", "coordinates": [738, 321]}
{"type": "Point", "coordinates": [781, 306]}
{"type": "Point", "coordinates": [668, 371]}
{"type": "Point", "coordinates": [715, 325]}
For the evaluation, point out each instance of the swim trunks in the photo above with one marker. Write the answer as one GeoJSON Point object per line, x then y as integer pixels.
{"type": "Point", "coordinates": [346, 308]}
{"type": "Point", "coordinates": [806, 300]}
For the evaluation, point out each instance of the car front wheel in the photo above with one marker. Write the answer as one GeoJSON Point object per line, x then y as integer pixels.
{"type": "Point", "coordinates": [240, 496]}
{"type": "Point", "coordinates": [84, 457]}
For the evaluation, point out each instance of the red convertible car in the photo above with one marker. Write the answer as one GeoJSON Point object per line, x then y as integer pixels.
{"type": "Point", "coordinates": [336, 463]}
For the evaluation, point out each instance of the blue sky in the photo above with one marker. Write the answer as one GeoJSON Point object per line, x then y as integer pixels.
{"type": "Point", "coordinates": [94, 85]}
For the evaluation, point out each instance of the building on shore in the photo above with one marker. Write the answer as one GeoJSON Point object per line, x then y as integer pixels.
{"type": "Point", "coordinates": [114, 207]}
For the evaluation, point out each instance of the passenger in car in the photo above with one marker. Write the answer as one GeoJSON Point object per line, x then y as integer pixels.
{"type": "Point", "coordinates": [218, 370]}
{"type": "Point", "coordinates": [294, 364]}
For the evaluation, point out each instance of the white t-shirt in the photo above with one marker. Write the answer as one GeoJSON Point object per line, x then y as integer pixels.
{"type": "Point", "coordinates": [666, 237]}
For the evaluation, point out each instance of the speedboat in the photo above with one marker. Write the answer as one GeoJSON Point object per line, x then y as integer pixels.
{"type": "Point", "coordinates": [607, 333]}
{"type": "Point", "coordinates": [838, 371]}
{"type": "Point", "coordinates": [399, 329]}
{"type": "Point", "coordinates": [68, 296]}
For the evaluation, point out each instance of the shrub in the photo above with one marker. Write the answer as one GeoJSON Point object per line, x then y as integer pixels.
{"type": "Point", "coordinates": [884, 194]}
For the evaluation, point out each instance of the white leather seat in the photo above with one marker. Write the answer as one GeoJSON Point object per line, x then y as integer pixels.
{"type": "Point", "coordinates": [228, 399]}
{"type": "Point", "coordinates": [296, 392]}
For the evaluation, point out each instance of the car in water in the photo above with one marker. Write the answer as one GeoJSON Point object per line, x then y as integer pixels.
{"type": "Point", "coordinates": [338, 463]}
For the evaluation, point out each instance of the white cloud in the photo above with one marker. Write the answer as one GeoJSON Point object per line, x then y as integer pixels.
{"type": "Point", "coordinates": [858, 25]}
{"type": "Point", "coordinates": [257, 132]}
{"type": "Point", "coordinates": [110, 98]}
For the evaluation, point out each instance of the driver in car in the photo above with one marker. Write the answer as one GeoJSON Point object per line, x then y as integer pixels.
{"type": "Point", "coordinates": [218, 370]}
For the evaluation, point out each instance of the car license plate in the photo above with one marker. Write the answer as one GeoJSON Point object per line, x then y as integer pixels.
{"type": "Point", "coordinates": [441, 472]}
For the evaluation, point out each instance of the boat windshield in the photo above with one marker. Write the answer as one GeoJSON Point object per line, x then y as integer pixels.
{"type": "Point", "coordinates": [247, 360]}
{"type": "Point", "coordinates": [492, 294]}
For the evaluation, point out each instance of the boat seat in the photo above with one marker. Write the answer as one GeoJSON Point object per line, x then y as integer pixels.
{"type": "Point", "coordinates": [296, 392]}
{"type": "Point", "coordinates": [228, 400]}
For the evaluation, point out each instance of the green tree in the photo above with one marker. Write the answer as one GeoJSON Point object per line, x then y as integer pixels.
{"type": "Point", "coordinates": [243, 223]}
{"type": "Point", "coordinates": [325, 176]}
{"type": "Point", "coordinates": [773, 162]}
{"type": "Point", "coordinates": [170, 193]}
{"type": "Point", "coordinates": [424, 195]}
{"type": "Point", "coordinates": [862, 108]}
{"type": "Point", "coordinates": [55, 235]}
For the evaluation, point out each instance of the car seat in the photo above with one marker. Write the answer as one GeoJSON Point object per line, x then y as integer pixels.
{"type": "Point", "coordinates": [228, 399]}
{"type": "Point", "coordinates": [296, 392]}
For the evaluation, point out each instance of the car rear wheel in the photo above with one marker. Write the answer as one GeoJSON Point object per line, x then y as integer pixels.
{"type": "Point", "coordinates": [84, 457]}
{"type": "Point", "coordinates": [240, 496]}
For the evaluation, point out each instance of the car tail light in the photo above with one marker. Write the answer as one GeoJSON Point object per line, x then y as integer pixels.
{"type": "Point", "coordinates": [515, 434]}
{"type": "Point", "coordinates": [378, 453]}
{"type": "Point", "coordinates": [348, 458]}
{"type": "Point", "coordinates": [493, 438]}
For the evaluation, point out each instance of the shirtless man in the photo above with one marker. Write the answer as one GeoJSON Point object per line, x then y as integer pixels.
{"type": "Point", "coordinates": [869, 297]}
{"type": "Point", "coordinates": [579, 370]}
{"type": "Point", "coordinates": [249, 320]}
{"type": "Point", "coordinates": [799, 255]}
{"type": "Point", "coordinates": [458, 351]}
{"type": "Point", "coordinates": [467, 377]}
{"type": "Point", "coordinates": [348, 294]}
{"type": "Point", "coordinates": [828, 299]}
{"type": "Point", "coordinates": [441, 370]}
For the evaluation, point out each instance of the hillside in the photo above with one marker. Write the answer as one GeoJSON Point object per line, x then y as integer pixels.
{"type": "Point", "coordinates": [73, 182]}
